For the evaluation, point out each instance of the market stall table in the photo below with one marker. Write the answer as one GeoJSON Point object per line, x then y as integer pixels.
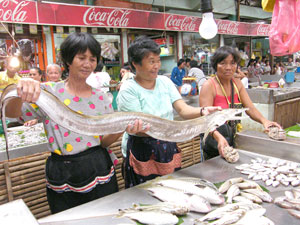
{"type": "Point", "coordinates": [216, 170]}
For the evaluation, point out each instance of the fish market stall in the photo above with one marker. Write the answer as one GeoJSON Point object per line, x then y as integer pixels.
{"type": "Point", "coordinates": [24, 141]}
{"type": "Point", "coordinates": [259, 142]}
{"type": "Point", "coordinates": [103, 211]}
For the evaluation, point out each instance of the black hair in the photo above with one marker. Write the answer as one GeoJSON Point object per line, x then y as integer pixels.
{"type": "Point", "coordinates": [37, 69]}
{"type": "Point", "coordinates": [194, 63]}
{"type": "Point", "coordinates": [140, 48]}
{"type": "Point", "coordinates": [180, 61]}
{"type": "Point", "coordinates": [78, 43]}
{"type": "Point", "coordinates": [187, 60]}
{"type": "Point", "coordinates": [99, 67]}
{"type": "Point", "coordinates": [126, 66]}
{"type": "Point", "coordinates": [222, 53]}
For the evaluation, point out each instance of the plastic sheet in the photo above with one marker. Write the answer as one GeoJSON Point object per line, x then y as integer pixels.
{"type": "Point", "coordinates": [284, 32]}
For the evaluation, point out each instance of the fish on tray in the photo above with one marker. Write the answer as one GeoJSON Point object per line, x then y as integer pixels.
{"type": "Point", "coordinates": [204, 190]}
{"type": "Point", "coordinates": [194, 202]}
{"type": "Point", "coordinates": [290, 201]}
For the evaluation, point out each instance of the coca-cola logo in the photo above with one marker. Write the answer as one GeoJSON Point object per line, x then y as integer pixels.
{"type": "Point", "coordinates": [187, 23]}
{"type": "Point", "coordinates": [18, 14]}
{"type": "Point", "coordinates": [263, 30]}
{"type": "Point", "coordinates": [115, 18]}
{"type": "Point", "coordinates": [226, 27]}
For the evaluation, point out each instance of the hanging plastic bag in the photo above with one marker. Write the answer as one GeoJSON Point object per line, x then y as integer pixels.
{"type": "Point", "coordinates": [268, 5]}
{"type": "Point", "coordinates": [285, 27]}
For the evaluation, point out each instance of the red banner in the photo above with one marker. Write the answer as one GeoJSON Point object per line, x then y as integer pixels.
{"type": "Point", "coordinates": [18, 11]}
{"type": "Point", "coordinates": [82, 15]}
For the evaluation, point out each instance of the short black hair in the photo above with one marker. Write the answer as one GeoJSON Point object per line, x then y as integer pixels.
{"type": "Point", "coordinates": [37, 69]}
{"type": "Point", "coordinates": [187, 60]}
{"type": "Point", "coordinates": [180, 61]}
{"type": "Point", "coordinates": [222, 53]}
{"type": "Point", "coordinates": [126, 66]}
{"type": "Point", "coordinates": [78, 43]}
{"type": "Point", "coordinates": [140, 48]}
{"type": "Point", "coordinates": [193, 63]}
{"type": "Point", "coordinates": [99, 67]}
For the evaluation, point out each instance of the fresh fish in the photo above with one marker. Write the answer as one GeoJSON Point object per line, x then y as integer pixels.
{"type": "Point", "coordinates": [194, 202]}
{"type": "Point", "coordinates": [252, 197]}
{"type": "Point", "coordinates": [252, 214]}
{"type": "Point", "coordinates": [150, 217]}
{"type": "Point", "coordinates": [219, 212]}
{"type": "Point", "coordinates": [248, 206]}
{"type": "Point", "coordinates": [261, 220]}
{"type": "Point", "coordinates": [246, 185]}
{"type": "Point", "coordinates": [175, 209]}
{"type": "Point", "coordinates": [198, 181]}
{"type": "Point", "coordinates": [241, 199]}
{"type": "Point", "coordinates": [294, 212]}
{"type": "Point", "coordinates": [163, 129]}
{"type": "Point", "coordinates": [281, 201]}
{"type": "Point", "coordinates": [226, 185]}
{"type": "Point", "coordinates": [204, 191]}
{"type": "Point", "coordinates": [261, 194]}
{"type": "Point", "coordinates": [230, 217]}
{"type": "Point", "coordinates": [232, 191]}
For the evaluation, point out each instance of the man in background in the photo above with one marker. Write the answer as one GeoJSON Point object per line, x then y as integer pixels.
{"type": "Point", "coordinates": [10, 75]}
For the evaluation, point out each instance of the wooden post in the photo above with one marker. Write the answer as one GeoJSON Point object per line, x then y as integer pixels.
{"type": "Point", "coordinates": [53, 44]}
{"type": "Point", "coordinates": [8, 182]}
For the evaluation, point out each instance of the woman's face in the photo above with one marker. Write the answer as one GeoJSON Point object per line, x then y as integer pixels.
{"type": "Point", "coordinates": [123, 71]}
{"type": "Point", "coordinates": [227, 67]}
{"type": "Point", "coordinates": [34, 74]}
{"type": "Point", "coordinates": [53, 74]}
{"type": "Point", "coordinates": [149, 67]}
{"type": "Point", "coordinates": [83, 65]}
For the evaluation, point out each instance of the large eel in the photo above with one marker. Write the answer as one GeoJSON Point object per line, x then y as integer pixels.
{"type": "Point", "coordinates": [162, 129]}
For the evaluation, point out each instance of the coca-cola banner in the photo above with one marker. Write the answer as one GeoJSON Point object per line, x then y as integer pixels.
{"type": "Point", "coordinates": [82, 15]}
{"type": "Point", "coordinates": [18, 11]}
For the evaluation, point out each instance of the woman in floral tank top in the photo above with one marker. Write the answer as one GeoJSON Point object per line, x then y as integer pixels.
{"type": "Point", "coordinates": [80, 168]}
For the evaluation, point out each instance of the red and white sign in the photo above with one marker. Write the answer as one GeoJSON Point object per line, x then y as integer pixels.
{"type": "Point", "coordinates": [46, 13]}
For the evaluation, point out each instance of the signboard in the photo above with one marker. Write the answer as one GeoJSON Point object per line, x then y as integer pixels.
{"type": "Point", "coordinates": [48, 13]}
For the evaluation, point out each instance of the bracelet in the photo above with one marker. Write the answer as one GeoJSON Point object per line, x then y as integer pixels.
{"type": "Point", "coordinates": [201, 111]}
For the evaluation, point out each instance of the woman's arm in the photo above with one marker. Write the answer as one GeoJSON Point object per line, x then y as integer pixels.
{"type": "Point", "coordinates": [253, 112]}
{"type": "Point", "coordinates": [206, 98]}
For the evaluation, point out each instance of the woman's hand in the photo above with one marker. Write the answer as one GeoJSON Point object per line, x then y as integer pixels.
{"type": "Point", "coordinates": [137, 127]}
{"type": "Point", "coordinates": [267, 124]}
{"type": "Point", "coordinates": [209, 109]}
{"type": "Point", "coordinates": [28, 89]}
{"type": "Point", "coordinates": [222, 142]}
{"type": "Point", "coordinates": [30, 123]}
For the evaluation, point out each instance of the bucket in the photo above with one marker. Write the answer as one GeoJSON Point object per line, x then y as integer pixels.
{"type": "Point", "coordinates": [289, 77]}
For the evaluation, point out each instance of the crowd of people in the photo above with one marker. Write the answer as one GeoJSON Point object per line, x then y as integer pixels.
{"type": "Point", "coordinates": [89, 172]}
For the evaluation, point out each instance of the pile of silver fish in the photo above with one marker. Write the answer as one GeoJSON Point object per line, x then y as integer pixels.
{"type": "Point", "coordinates": [196, 194]}
{"type": "Point", "coordinates": [291, 202]}
{"type": "Point", "coordinates": [231, 154]}
{"type": "Point", "coordinates": [241, 190]}
{"type": "Point", "coordinates": [163, 213]}
{"type": "Point", "coordinates": [272, 171]}
{"type": "Point", "coordinates": [240, 213]}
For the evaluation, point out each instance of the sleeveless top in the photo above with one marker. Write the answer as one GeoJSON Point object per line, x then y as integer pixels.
{"type": "Point", "coordinates": [220, 100]}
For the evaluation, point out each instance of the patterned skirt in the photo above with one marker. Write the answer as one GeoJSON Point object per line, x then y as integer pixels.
{"type": "Point", "coordinates": [148, 158]}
